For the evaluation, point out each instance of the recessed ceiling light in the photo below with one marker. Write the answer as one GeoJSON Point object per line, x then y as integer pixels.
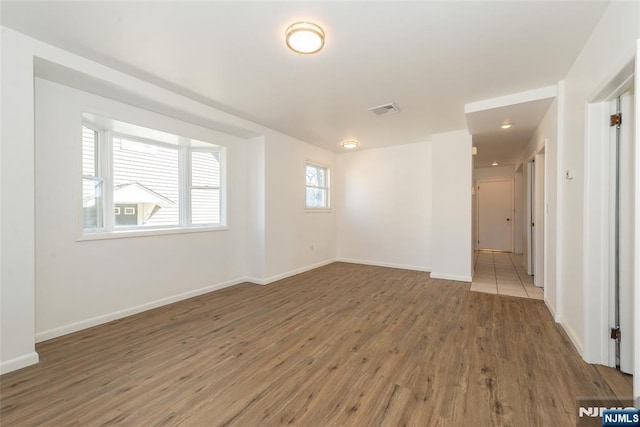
{"type": "Point", "coordinates": [349, 143]}
{"type": "Point", "coordinates": [305, 37]}
{"type": "Point", "coordinates": [506, 125]}
{"type": "Point", "coordinates": [494, 163]}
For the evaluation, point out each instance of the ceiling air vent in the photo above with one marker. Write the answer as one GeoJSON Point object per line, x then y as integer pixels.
{"type": "Point", "coordinates": [385, 110]}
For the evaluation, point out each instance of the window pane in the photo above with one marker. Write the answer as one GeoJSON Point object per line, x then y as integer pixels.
{"type": "Point", "coordinates": [205, 206]}
{"type": "Point", "coordinates": [316, 198]}
{"type": "Point", "coordinates": [316, 176]}
{"type": "Point", "coordinates": [91, 184]}
{"type": "Point", "coordinates": [145, 176]}
{"type": "Point", "coordinates": [205, 169]}
{"type": "Point", "coordinates": [92, 203]}
{"type": "Point", "coordinates": [89, 147]}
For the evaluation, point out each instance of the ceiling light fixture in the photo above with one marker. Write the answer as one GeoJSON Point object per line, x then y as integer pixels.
{"type": "Point", "coordinates": [494, 163]}
{"type": "Point", "coordinates": [349, 143]}
{"type": "Point", "coordinates": [305, 37]}
{"type": "Point", "coordinates": [506, 125]}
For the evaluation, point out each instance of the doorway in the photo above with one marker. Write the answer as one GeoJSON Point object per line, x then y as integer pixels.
{"type": "Point", "coordinates": [535, 217]}
{"type": "Point", "coordinates": [495, 215]}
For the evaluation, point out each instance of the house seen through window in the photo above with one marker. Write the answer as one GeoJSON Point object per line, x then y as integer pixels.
{"type": "Point", "coordinates": [135, 182]}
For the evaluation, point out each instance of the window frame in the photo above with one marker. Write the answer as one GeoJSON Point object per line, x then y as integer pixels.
{"type": "Point", "coordinates": [327, 187]}
{"type": "Point", "coordinates": [98, 177]}
{"type": "Point", "coordinates": [104, 160]}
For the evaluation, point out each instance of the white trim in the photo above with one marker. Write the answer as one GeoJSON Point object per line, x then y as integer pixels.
{"type": "Point", "coordinates": [555, 316]}
{"type": "Point", "coordinates": [326, 188]}
{"type": "Point", "coordinates": [559, 198]}
{"type": "Point", "coordinates": [281, 276]}
{"type": "Point", "coordinates": [451, 277]}
{"type": "Point", "coordinates": [98, 320]}
{"type": "Point", "coordinates": [121, 234]}
{"type": "Point", "coordinates": [384, 264]}
{"type": "Point", "coordinates": [636, 281]}
{"type": "Point", "coordinates": [597, 258]}
{"type": "Point", "coordinates": [19, 363]}
{"type": "Point", "coordinates": [515, 98]}
{"type": "Point", "coordinates": [572, 337]}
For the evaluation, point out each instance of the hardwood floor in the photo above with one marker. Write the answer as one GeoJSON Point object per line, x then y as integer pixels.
{"type": "Point", "coordinates": [345, 344]}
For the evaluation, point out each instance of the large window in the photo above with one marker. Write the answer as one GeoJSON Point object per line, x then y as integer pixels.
{"type": "Point", "coordinates": [317, 187]}
{"type": "Point", "coordinates": [136, 178]}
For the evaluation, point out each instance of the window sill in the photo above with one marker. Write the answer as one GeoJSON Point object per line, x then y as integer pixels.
{"type": "Point", "coordinates": [317, 210]}
{"type": "Point", "coordinates": [123, 234]}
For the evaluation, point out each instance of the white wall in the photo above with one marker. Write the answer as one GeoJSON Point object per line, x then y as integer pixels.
{"type": "Point", "coordinates": [545, 138]}
{"type": "Point", "coordinates": [384, 206]}
{"type": "Point", "coordinates": [452, 249]}
{"type": "Point", "coordinates": [17, 320]}
{"type": "Point", "coordinates": [496, 173]}
{"type": "Point", "coordinates": [265, 152]}
{"type": "Point", "coordinates": [518, 217]}
{"type": "Point", "coordinates": [292, 231]}
{"type": "Point", "coordinates": [80, 282]}
{"type": "Point", "coordinates": [611, 45]}
{"type": "Point", "coordinates": [255, 200]}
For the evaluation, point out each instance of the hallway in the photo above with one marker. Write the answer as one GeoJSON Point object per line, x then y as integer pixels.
{"type": "Point", "coordinates": [503, 273]}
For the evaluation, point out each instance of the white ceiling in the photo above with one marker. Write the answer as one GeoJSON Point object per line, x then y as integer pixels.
{"type": "Point", "coordinates": [523, 111]}
{"type": "Point", "coordinates": [430, 58]}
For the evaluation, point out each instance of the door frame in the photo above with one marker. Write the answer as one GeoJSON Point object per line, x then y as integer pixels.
{"type": "Point", "coordinates": [539, 214]}
{"type": "Point", "coordinates": [476, 187]}
{"type": "Point", "coordinates": [529, 202]}
{"type": "Point", "coordinates": [597, 245]}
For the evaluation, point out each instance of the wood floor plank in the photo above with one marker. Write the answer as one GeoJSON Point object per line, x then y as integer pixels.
{"type": "Point", "coordinates": [344, 344]}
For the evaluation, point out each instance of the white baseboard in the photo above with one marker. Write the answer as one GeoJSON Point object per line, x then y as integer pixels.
{"type": "Point", "coordinates": [19, 363]}
{"type": "Point", "coordinates": [555, 315]}
{"type": "Point", "coordinates": [281, 276]}
{"type": "Point", "coordinates": [98, 320]}
{"type": "Point", "coordinates": [573, 337]}
{"type": "Point", "coordinates": [451, 277]}
{"type": "Point", "coordinates": [384, 264]}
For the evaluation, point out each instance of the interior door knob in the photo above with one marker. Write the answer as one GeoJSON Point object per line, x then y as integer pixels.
{"type": "Point", "coordinates": [508, 219]}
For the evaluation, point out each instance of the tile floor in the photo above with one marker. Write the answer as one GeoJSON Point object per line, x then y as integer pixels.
{"type": "Point", "coordinates": [503, 274]}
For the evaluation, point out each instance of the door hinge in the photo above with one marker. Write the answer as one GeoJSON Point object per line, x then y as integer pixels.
{"type": "Point", "coordinates": [533, 224]}
{"type": "Point", "coordinates": [615, 333]}
{"type": "Point", "coordinates": [615, 120]}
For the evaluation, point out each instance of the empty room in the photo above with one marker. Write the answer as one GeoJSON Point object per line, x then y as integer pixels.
{"type": "Point", "coordinates": [324, 213]}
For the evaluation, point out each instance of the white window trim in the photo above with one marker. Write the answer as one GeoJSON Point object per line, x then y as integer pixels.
{"type": "Point", "coordinates": [310, 209]}
{"type": "Point", "coordinates": [105, 171]}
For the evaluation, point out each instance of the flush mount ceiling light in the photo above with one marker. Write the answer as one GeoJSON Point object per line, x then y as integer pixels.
{"type": "Point", "coordinates": [305, 37]}
{"type": "Point", "coordinates": [494, 163]}
{"type": "Point", "coordinates": [506, 125]}
{"type": "Point", "coordinates": [350, 143]}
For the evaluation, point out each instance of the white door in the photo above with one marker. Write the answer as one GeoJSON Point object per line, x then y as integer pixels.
{"type": "Point", "coordinates": [495, 215]}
